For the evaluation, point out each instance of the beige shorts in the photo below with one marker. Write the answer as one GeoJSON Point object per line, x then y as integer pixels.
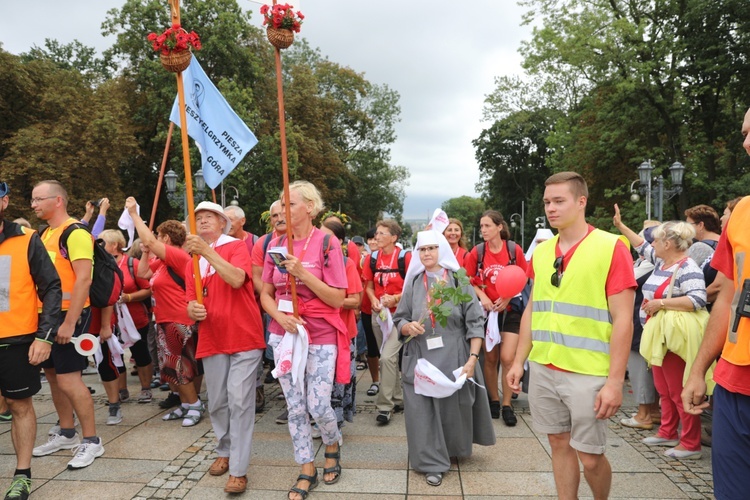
{"type": "Point", "coordinates": [564, 402]}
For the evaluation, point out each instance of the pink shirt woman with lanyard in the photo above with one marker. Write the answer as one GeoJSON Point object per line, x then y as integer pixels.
{"type": "Point", "coordinates": [321, 288]}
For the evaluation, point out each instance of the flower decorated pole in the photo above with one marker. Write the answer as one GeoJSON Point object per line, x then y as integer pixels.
{"type": "Point", "coordinates": [161, 176]}
{"type": "Point", "coordinates": [182, 39]}
{"type": "Point", "coordinates": [282, 22]}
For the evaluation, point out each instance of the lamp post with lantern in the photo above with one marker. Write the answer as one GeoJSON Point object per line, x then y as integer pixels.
{"type": "Point", "coordinates": [170, 179]}
{"type": "Point", "coordinates": [646, 179]}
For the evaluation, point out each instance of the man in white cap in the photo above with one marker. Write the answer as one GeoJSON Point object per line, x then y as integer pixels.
{"type": "Point", "coordinates": [231, 350]}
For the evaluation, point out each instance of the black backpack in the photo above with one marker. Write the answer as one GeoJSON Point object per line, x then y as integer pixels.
{"type": "Point", "coordinates": [401, 267]}
{"type": "Point", "coordinates": [517, 304]}
{"type": "Point", "coordinates": [107, 279]}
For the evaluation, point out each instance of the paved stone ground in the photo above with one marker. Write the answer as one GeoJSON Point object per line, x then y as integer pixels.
{"type": "Point", "coordinates": [148, 458]}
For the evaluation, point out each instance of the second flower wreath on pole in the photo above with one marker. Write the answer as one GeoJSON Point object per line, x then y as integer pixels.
{"type": "Point", "coordinates": [282, 22]}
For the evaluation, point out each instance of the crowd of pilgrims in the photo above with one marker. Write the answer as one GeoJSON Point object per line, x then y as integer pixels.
{"type": "Point", "coordinates": [361, 304]}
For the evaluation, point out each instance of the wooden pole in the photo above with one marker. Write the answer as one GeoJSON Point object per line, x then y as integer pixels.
{"type": "Point", "coordinates": [175, 11]}
{"type": "Point", "coordinates": [285, 171]}
{"type": "Point", "coordinates": [213, 193]}
{"type": "Point", "coordinates": [161, 175]}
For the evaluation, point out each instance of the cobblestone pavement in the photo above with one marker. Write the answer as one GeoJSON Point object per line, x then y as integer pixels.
{"type": "Point", "coordinates": [146, 458]}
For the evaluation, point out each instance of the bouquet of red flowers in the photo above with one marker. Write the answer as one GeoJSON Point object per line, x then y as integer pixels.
{"type": "Point", "coordinates": [282, 17]}
{"type": "Point", "coordinates": [174, 39]}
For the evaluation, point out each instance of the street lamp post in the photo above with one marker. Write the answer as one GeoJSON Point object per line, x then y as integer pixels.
{"type": "Point", "coordinates": [170, 179]}
{"type": "Point", "coordinates": [515, 220]}
{"type": "Point", "coordinates": [235, 201]}
{"type": "Point", "coordinates": [645, 177]}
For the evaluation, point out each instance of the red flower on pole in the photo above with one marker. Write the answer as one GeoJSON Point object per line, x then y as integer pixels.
{"type": "Point", "coordinates": [174, 39]}
{"type": "Point", "coordinates": [282, 17]}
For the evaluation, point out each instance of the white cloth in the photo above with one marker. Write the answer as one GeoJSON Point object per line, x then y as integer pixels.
{"type": "Point", "coordinates": [207, 270]}
{"type": "Point", "coordinates": [431, 382]}
{"type": "Point", "coordinates": [291, 356]}
{"type": "Point", "coordinates": [115, 352]}
{"type": "Point", "coordinates": [126, 223]}
{"type": "Point", "coordinates": [446, 257]}
{"type": "Point", "coordinates": [439, 221]}
{"type": "Point", "coordinates": [492, 336]}
{"type": "Point", "coordinates": [385, 321]}
{"type": "Point", "coordinates": [128, 332]}
{"type": "Point", "coordinates": [540, 236]}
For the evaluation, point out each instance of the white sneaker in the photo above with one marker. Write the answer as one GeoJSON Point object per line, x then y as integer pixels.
{"type": "Point", "coordinates": [56, 442]}
{"type": "Point", "coordinates": [90, 370]}
{"type": "Point", "coordinates": [85, 454]}
{"type": "Point", "coordinates": [115, 416]}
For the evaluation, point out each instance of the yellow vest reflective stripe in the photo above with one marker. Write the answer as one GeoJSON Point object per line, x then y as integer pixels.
{"type": "Point", "coordinates": [737, 346]}
{"type": "Point", "coordinates": [18, 315]}
{"type": "Point", "coordinates": [571, 325]}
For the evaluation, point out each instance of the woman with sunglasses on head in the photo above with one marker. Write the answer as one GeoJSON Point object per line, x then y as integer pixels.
{"type": "Point", "coordinates": [483, 264]}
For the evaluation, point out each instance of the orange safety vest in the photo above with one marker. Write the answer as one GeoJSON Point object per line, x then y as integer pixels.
{"type": "Point", "coordinates": [51, 240]}
{"type": "Point", "coordinates": [18, 316]}
{"type": "Point", "coordinates": [737, 346]}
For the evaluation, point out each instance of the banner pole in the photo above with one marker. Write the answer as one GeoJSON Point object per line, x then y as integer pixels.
{"type": "Point", "coordinates": [285, 171]}
{"type": "Point", "coordinates": [175, 10]}
{"type": "Point", "coordinates": [161, 175]}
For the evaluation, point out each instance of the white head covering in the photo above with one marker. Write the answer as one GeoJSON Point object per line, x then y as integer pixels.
{"type": "Point", "coordinates": [446, 258]}
{"type": "Point", "coordinates": [215, 208]}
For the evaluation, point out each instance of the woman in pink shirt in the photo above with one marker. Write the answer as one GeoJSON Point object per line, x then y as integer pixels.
{"type": "Point", "coordinates": [321, 283]}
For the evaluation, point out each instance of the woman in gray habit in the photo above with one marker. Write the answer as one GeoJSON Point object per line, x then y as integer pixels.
{"type": "Point", "coordinates": [440, 428]}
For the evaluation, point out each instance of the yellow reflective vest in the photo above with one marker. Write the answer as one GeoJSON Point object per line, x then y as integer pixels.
{"type": "Point", "coordinates": [570, 325]}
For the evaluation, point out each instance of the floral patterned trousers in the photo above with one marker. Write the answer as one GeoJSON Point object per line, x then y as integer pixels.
{"type": "Point", "coordinates": [312, 397]}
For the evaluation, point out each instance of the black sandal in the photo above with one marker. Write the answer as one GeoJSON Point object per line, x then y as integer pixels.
{"type": "Point", "coordinates": [336, 469]}
{"type": "Point", "coordinates": [313, 480]}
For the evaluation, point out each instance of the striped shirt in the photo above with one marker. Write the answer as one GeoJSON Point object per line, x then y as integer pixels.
{"type": "Point", "coordinates": [688, 281]}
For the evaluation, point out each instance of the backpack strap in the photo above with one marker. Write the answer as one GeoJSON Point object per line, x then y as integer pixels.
{"type": "Point", "coordinates": [176, 277]}
{"type": "Point", "coordinates": [326, 248]}
{"type": "Point", "coordinates": [402, 263]}
{"type": "Point", "coordinates": [511, 246]}
{"type": "Point", "coordinates": [132, 272]}
{"type": "Point", "coordinates": [66, 234]}
{"type": "Point", "coordinates": [266, 242]}
{"type": "Point", "coordinates": [480, 259]}
{"type": "Point", "coordinates": [401, 268]}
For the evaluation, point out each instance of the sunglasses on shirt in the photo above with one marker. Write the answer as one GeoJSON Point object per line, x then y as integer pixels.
{"type": "Point", "coordinates": [556, 277]}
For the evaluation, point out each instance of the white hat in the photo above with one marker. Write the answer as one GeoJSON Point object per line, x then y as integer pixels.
{"type": "Point", "coordinates": [215, 208]}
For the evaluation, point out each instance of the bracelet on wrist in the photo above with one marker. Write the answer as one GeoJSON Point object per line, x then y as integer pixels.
{"type": "Point", "coordinates": [475, 355]}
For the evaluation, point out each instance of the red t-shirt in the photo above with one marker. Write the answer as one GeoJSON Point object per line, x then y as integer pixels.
{"type": "Point", "coordinates": [258, 256]}
{"type": "Point", "coordinates": [233, 323]}
{"type": "Point", "coordinates": [170, 305]}
{"type": "Point", "coordinates": [386, 283]}
{"type": "Point", "coordinates": [138, 310]}
{"type": "Point", "coordinates": [95, 323]}
{"type": "Point", "coordinates": [321, 332]}
{"type": "Point", "coordinates": [365, 307]}
{"type": "Point", "coordinates": [354, 285]}
{"type": "Point", "coordinates": [620, 275]}
{"type": "Point", "coordinates": [493, 263]}
{"type": "Point", "coordinates": [734, 378]}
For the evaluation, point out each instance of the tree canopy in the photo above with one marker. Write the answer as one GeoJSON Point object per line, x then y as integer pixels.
{"type": "Point", "coordinates": [609, 84]}
{"type": "Point", "coordinates": [99, 123]}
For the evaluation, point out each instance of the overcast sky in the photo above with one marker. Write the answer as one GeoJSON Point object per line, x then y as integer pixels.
{"type": "Point", "coordinates": [441, 57]}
